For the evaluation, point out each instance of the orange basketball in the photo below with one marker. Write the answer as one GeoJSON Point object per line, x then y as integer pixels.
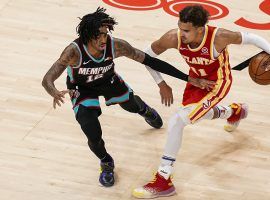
{"type": "Point", "coordinates": [257, 67]}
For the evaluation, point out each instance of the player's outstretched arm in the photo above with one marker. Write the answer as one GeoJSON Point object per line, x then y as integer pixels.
{"type": "Point", "coordinates": [159, 46]}
{"type": "Point", "coordinates": [225, 37]}
{"type": "Point", "coordinates": [69, 56]}
{"type": "Point", "coordinates": [123, 48]}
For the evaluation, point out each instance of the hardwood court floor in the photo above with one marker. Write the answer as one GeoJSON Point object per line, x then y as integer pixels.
{"type": "Point", "coordinates": [43, 152]}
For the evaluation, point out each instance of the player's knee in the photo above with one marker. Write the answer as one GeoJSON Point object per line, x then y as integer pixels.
{"type": "Point", "coordinates": [177, 120]}
{"type": "Point", "coordinates": [176, 126]}
{"type": "Point", "coordinates": [92, 130]}
{"type": "Point", "coordinates": [183, 115]}
{"type": "Point", "coordinates": [132, 105]}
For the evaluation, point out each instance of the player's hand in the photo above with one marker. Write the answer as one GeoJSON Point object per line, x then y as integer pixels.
{"type": "Point", "coordinates": [165, 93]}
{"type": "Point", "coordinates": [202, 83]}
{"type": "Point", "coordinates": [267, 68]}
{"type": "Point", "coordinates": [58, 97]}
{"type": "Point", "coordinates": [72, 93]}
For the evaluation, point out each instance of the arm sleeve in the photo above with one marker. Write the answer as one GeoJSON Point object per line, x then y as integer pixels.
{"type": "Point", "coordinates": [156, 75]}
{"type": "Point", "coordinates": [164, 67]}
{"type": "Point", "coordinates": [250, 38]}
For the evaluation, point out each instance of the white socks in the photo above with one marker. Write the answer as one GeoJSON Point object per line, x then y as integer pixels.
{"type": "Point", "coordinates": [224, 112]}
{"type": "Point", "coordinates": [165, 171]}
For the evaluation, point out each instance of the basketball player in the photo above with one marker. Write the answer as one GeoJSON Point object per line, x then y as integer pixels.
{"type": "Point", "coordinates": [204, 49]}
{"type": "Point", "coordinates": [90, 67]}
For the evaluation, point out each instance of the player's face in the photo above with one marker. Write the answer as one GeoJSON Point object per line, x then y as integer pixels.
{"type": "Point", "coordinates": [188, 32]}
{"type": "Point", "coordinates": [99, 43]}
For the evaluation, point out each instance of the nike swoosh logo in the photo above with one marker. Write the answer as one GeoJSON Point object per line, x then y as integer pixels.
{"type": "Point", "coordinates": [108, 58]}
{"type": "Point", "coordinates": [85, 62]}
{"type": "Point", "coordinates": [164, 172]}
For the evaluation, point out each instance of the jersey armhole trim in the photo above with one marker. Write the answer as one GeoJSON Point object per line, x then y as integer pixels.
{"type": "Point", "coordinates": [212, 45]}
{"type": "Point", "coordinates": [179, 39]}
{"type": "Point", "coordinates": [80, 62]}
{"type": "Point", "coordinates": [112, 45]}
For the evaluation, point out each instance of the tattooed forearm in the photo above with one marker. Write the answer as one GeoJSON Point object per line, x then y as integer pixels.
{"type": "Point", "coordinates": [70, 56]}
{"type": "Point", "coordinates": [54, 72]}
{"type": "Point", "coordinates": [123, 48]}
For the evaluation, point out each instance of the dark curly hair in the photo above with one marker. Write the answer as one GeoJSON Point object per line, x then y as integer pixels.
{"type": "Point", "coordinates": [194, 14]}
{"type": "Point", "coordinates": [89, 26]}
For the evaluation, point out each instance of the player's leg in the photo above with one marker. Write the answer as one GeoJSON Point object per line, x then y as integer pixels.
{"type": "Point", "coordinates": [118, 92]}
{"type": "Point", "coordinates": [88, 120]}
{"type": "Point", "coordinates": [136, 105]}
{"type": "Point", "coordinates": [198, 104]}
{"type": "Point", "coordinates": [87, 110]}
{"type": "Point", "coordinates": [233, 113]}
{"type": "Point", "coordinates": [162, 184]}
{"type": "Point", "coordinates": [238, 112]}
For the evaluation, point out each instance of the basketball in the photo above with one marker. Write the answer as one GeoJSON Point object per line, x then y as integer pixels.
{"type": "Point", "coordinates": [257, 67]}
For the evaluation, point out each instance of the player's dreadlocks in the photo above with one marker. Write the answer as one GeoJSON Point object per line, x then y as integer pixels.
{"type": "Point", "coordinates": [195, 14]}
{"type": "Point", "coordinates": [89, 26]}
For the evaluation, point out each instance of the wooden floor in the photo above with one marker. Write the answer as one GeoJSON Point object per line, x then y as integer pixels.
{"type": "Point", "coordinates": [43, 152]}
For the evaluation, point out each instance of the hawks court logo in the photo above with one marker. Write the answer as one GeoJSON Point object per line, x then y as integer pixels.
{"type": "Point", "coordinates": [216, 10]}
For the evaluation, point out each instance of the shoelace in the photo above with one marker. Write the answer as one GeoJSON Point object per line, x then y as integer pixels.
{"type": "Point", "coordinates": [154, 178]}
{"type": "Point", "coordinates": [150, 114]}
{"type": "Point", "coordinates": [106, 167]}
{"type": "Point", "coordinates": [237, 107]}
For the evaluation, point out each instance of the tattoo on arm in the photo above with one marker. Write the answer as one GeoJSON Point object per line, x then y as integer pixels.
{"type": "Point", "coordinates": [70, 56]}
{"type": "Point", "coordinates": [123, 48]}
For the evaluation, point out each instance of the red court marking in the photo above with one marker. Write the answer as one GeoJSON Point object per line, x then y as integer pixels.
{"type": "Point", "coordinates": [265, 7]}
{"type": "Point", "coordinates": [135, 4]}
{"type": "Point", "coordinates": [216, 10]}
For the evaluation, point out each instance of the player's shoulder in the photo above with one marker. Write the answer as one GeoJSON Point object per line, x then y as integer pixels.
{"type": "Point", "coordinates": [120, 43]}
{"type": "Point", "coordinates": [223, 33]}
{"type": "Point", "coordinates": [173, 31]}
{"type": "Point", "coordinates": [171, 34]}
{"type": "Point", "coordinates": [72, 49]}
{"type": "Point", "coordinates": [170, 38]}
{"type": "Point", "coordinates": [71, 54]}
{"type": "Point", "coordinates": [118, 40]}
